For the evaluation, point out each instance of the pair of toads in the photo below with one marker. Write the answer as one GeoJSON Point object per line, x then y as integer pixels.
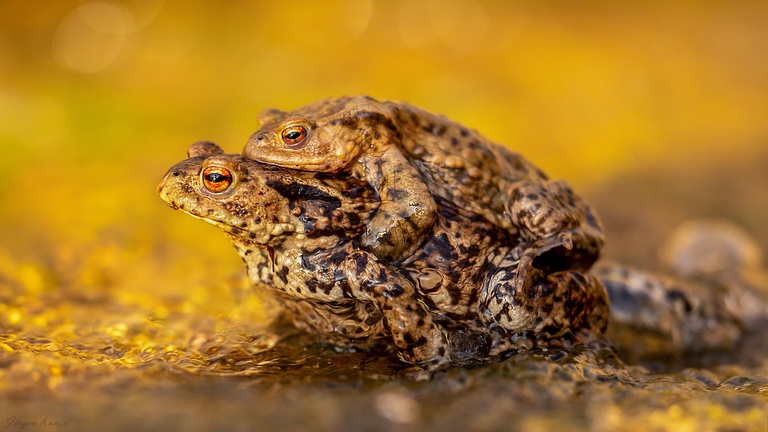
{"type": "Point", "coordinates": [376, 221]}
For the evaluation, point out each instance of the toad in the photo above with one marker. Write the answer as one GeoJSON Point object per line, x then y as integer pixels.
{"type": "Point", "coordinates": [412, 158]}
{"type": "Point", "coordinates": [453, 299]}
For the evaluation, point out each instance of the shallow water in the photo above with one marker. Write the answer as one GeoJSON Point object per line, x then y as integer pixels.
{"type": "Point", "coordinates": [312, 388]}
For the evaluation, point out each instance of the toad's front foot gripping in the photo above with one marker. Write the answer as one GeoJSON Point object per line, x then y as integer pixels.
{"type": "Point", "coordinates": [407, 213]}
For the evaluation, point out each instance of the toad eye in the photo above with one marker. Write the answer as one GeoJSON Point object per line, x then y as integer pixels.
{"type": "Point", "coordinates": [294, 136]}
{"type": "Point", "coordinates": [217, 179]}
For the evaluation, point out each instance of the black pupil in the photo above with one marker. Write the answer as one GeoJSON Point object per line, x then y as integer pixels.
{"type": "Point", "coordinates": [216, 177]}
{"type": "Point", "coordinates": [293, 135]}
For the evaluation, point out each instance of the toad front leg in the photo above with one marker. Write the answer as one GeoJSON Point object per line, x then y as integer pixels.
{"type": "Point", "coordinates": [347, 273]}
{"type": "Point", "coordinates": [407, 210]}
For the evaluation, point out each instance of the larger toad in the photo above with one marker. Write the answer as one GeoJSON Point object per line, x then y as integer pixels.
{"type": "Point", "coordinates": [412, 157]}
{"type": "Point", "coordinates": [453, 298]}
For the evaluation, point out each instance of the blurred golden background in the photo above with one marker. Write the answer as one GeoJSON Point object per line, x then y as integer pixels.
{"type": "Point", "coordinates": [99, 98]}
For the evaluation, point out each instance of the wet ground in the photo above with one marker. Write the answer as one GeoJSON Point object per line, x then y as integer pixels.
{"type": "Point", "coordinates": [75, 355]}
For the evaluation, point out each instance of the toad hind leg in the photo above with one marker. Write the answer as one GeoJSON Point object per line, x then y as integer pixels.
{"type": "Point", "coordinates": [548, 307]}
{"type": "Point", "coordinates": [562, 230]}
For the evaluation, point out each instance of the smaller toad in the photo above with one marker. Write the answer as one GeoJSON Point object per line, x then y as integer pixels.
{"type": "Point", "coordinates": [411, 156]}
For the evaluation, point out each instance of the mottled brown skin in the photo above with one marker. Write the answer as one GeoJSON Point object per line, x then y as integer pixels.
{"type": "Point", "coordinates": [453, 299]}
{"type": "Point", "coordinates": [412, 158]}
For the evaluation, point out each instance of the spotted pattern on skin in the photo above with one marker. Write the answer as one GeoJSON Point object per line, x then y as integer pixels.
{"type": "Point", "coordinates": [497, 261]}
{"type": "Point", "coordinates": [455, 298]}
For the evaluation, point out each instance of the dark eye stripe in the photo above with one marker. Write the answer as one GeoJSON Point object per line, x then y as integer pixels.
{"type": "Point", "coordinates": [216, 177]}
